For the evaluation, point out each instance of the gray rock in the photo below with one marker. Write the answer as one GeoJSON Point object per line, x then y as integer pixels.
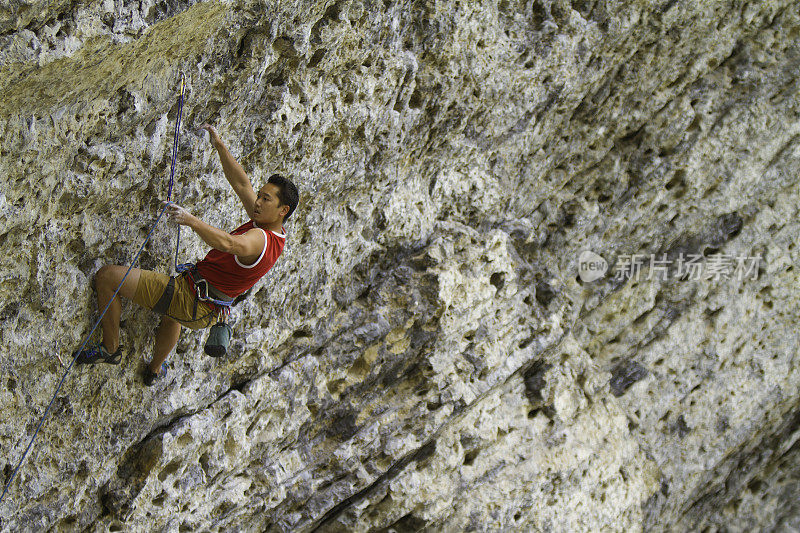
{"type": "Point", "coordinates": [424, 355]}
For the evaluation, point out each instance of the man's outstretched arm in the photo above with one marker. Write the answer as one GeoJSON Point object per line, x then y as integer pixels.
{"type": "Point", "coordinates": [234, 172]}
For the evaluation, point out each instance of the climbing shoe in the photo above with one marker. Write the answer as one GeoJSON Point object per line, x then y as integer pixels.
{"type": "Point", "coordinates": [97, 354]}
{"type": "Point", "coordinates": [149, 377]}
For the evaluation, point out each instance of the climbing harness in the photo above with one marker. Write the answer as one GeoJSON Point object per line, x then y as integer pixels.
{"type": "Point", "coordinates": [219, 336]}
{"type": "Point", "coordinates": [119, 287]}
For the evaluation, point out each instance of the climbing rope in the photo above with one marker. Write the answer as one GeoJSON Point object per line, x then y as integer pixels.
{"type": "Point", "coordinates": [119, 287]}
{"type": "Point", "coordinates": [172, 168]}
{"type": "Point", "coordinates": [175, 141]}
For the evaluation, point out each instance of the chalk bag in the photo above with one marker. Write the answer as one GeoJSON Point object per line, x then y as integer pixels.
{"type": "Point", "coordinates": [219, 338]}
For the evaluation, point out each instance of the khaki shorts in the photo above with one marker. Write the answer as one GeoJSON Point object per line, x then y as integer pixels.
{"type": "Point", "coordinates": [182, 307]}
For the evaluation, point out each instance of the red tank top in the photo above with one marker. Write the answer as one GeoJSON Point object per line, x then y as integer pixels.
{"type": "Point", "coordinates": [226, 274]}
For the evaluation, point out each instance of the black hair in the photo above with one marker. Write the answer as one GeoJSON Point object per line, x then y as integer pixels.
{"type": "Point", "coordinates": [287, 192]}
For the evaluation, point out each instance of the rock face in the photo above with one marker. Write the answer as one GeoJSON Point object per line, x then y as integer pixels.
{"type": "Point", "coordinates": [426, 355]}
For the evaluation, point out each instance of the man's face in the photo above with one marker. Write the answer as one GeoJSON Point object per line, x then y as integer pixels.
{"type": "Point", "coordinates": [268, 208]}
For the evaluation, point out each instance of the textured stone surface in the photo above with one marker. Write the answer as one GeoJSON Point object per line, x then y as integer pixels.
{"type": "Point", "coordinates": [424, 355]}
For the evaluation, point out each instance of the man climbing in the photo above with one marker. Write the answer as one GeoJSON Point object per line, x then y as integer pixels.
{"type": "Point", "coordinates": [236, 262]}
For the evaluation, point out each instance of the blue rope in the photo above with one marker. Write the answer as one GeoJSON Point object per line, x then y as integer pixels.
{"type": "Point", "coordinates": [172, 169]}
{"type": "Point", "coordinates": [77, 353]}
{"type": "Point", "coordinates": [175, 141]}
{"type": "Point", "coordinates": [119, 287]}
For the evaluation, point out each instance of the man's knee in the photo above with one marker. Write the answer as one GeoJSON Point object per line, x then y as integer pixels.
{"type": "Point", "coordinates": [104, 277]}
{"type": "Point", "coordinates": [110, 277]}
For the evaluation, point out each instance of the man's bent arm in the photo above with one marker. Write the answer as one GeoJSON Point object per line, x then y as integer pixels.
{"type": "Point", "coordinates": [251, 244]}
{"type": "Point", "coordinates": [248, 245]}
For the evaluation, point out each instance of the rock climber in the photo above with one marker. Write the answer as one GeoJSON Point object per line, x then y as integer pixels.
{"type": "Point", "coordinates": [235, 263]}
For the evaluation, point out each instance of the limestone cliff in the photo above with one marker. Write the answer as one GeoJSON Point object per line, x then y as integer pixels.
{"type": "Point", "coordinates": [426, 354]}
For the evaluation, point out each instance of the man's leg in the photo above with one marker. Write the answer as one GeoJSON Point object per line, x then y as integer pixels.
{"type": "Point", "coordinates": [107, 280]}
{"type": "Point", "coordinates": [166, 339]}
